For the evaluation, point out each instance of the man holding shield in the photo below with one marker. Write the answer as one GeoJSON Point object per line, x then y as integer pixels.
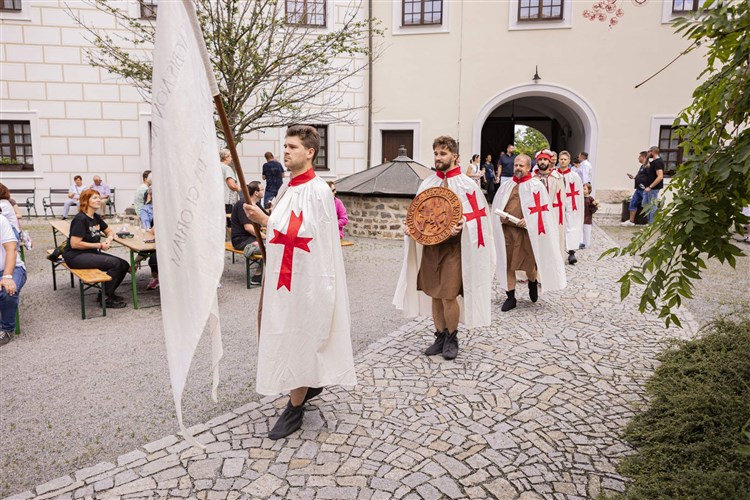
{"type": "Point", "coordinates": [305, 341]}
{"type": "Point", "coordinates": [450, 279]}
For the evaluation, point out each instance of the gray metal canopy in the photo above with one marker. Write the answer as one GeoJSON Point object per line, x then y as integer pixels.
{"type": "Point", "coordinates": [399, 177]}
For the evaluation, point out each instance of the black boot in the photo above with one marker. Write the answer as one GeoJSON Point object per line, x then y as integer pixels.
{"type": "Point", "coordinates": [311, 393]}
{"type": "Point", "coordinates": [437, 347]}
{"type": "Point", "coordinates": [450, 347]}
{"type": "Point", "coordinates": [572, 257]}
{"type": "Point", "coordinates": [289, 421]}
{"type": "Point", "coordinates": [510, 302]}
{"type": "Point", "coordinates": [533, 290]}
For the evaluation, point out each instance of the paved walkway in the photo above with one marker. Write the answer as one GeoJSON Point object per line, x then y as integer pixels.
{"type": "Point", "coordinates": [532, 408]}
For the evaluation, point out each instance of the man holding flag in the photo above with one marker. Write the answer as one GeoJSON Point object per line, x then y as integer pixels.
{"type": "Point", "coordinates": [305, 331]}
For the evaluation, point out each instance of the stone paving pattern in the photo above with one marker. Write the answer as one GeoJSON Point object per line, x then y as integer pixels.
{"type": "Point", "coordinates": [532, 408]}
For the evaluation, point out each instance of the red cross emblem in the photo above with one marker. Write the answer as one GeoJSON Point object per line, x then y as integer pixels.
{"type": "Point", "coordinates": [572, 195]}
{"type": "Point", "coordinates": [477, 215]}
{"type": "Point", "coordinates": [538, 209]}
{"type": "Point", "coordinates": [290, 240]}
{"type": "Point", "coordinates": [558, 204]}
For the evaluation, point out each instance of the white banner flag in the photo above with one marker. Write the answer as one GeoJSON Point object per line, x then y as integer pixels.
{"type": "Point", "coordinates": [188, 194]}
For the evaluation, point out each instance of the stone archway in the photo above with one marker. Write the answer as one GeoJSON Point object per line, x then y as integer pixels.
{"type": "Point", "coordinates": [572, 122]}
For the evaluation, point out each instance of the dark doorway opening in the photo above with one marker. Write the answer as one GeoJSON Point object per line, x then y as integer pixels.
{"type": "Point", "coordinates": [394, 139]}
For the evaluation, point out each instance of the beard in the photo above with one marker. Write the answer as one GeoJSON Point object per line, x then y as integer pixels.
{"type": "Point", "coordinates": [519, 173]}
{"type": "Point", "coordinates": [443, 167]}
{"type": "Point", "coordinates": [543, 167]}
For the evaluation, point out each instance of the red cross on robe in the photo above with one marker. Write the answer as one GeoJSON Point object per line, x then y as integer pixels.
{"type": "Point", "coordinates": [476, 214]}
{"type": "Point", "coordinates": [558, 204]}
{"type": "Point", "coordinates": [290, 240]}
{"type": "Point", "coordinates": [572, 194]}
{"type": "Point", "coordinates": [538, 209]}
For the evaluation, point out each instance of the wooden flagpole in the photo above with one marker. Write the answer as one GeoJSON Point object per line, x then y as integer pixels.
{"type": "Point", "coordinates": [237, 168]}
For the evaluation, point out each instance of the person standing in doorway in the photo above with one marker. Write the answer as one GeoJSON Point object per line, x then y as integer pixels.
{"type": "Point", "coordinates": [585, 170]}
{"type": "Point", "coordinates": [505, 164]}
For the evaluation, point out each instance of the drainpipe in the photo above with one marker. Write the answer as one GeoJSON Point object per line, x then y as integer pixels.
{"type": "Point", "coordinates": [369, 82]}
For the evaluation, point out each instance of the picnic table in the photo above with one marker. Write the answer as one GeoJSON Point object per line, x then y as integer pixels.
{"type": "Point", "coordinates": [135, 246]}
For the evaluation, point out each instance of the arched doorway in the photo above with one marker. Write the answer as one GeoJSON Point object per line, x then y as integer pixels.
{"type": "Point", "coordinates": [565, 119]}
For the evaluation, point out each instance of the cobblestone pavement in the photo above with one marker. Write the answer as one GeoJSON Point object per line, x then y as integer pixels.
{"type": "Point", "coordinates": [532, 408]}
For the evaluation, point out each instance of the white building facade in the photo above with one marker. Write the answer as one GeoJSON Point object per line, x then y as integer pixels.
{"type": "Point", "coordinates": [462, 68]}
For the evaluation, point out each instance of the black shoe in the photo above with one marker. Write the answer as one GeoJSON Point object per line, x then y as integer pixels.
{"type": "Point", "coordinates": [437, 347]}
{"type": "Point", "coordinates": [116, 298]}
{"type": "Point", "coordinates": [534, 290]}
{"type": "Point", "coordinates": [255, 280]}
{"type": "Point", "coordinates": [5, 337]}
{"type": "Point", "coordinates": [572, 257]}
{"type": "Point", "coordinates": [510, 302]}
{"type": "Point", "coordinates": [581, 246]}
{"type": "Point", "coordinates": [450, 347]}
{"type": "Point", "coordinates": [115, 304]}
{"type": "Point", "coordinates": [289, 421]}
{"type": "Point", "coordinates": [311, 393]}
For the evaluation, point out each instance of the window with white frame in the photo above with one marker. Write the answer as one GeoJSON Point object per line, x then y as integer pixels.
{"type": "Point", "coordinates": [11, 5]}
{"type": "Point", "coordinates": [685, 6]}
{"type": "Point", "coordinates": [540, 10]}
{"type": "Point", "coordinates": [148, 8]}
{"type": "Point", "coordinates": [421, 12]}
{"type": "Point", "coordinates": [310, 13]}
{"type": "Point", "coordinates": [16, 150]}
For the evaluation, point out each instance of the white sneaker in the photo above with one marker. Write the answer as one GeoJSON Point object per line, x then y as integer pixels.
{"type": "Point", "coordinates": [627, 223]}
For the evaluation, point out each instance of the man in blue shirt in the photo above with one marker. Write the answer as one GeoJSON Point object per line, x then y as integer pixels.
{"type": "Point", "coordinates": [505, 165]}
{"type": "Point", "coordinates": [273, 174]}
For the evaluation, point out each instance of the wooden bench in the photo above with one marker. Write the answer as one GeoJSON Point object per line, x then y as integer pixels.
{"type": "Point", "coordinates": [30, 202]}
{"type": "Point", "coordinates": [254, 259]}
{"type": "Point", "coordinates": [48, 203]}
{"type": "Point", "coordinates": [55, 265]}
{"type": "Point", "coordinates": [87, 279]}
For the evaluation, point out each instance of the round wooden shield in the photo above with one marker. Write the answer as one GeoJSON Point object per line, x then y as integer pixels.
{"type": "Point", "coordinates": [432, 214]}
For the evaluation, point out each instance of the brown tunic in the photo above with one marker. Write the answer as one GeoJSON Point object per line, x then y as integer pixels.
{"type": "Point", "coordinates": [440, 271]}
{"type": "Point", "coordinates": [518, 252]}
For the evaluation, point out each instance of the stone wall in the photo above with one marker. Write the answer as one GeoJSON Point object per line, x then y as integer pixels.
{"type": "Point", "coordinates": [375, 217]}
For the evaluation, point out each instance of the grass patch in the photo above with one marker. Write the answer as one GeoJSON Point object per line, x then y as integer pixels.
{"type": "Point", "coordinates": [689, 443]}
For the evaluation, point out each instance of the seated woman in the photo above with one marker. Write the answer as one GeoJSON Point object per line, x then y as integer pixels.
{"type": "Point", "coordinates": [243, 233]}
{"type": "Point", "coordinates": [340, 210]}
{"type": "Point", "coordinates": [13, 272]}
{"type": "Point", "coordinates": [84, 248]}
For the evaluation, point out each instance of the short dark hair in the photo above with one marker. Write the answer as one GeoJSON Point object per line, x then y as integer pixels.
{"type": "Point", "coordinates": [474, 157]}
{"type": "Point", "coordinates": [655, 149]}
{"type": "Point", "coordinates": [253, 187]}
{"type": "Point", "coordinates": [447, 142]}
{"type": "Point", "coordinates": [643, 153]}
{"type": "Point", "coordinates": [269, 156]}
{"type": "Point", "coordinates": [585, 154]}
{"type": "Point", "coordinates": [308, 135]}
{"type": "Point", "coordinates": [77, 177]}
{"type": "Point", "coordinates": [146, 173]}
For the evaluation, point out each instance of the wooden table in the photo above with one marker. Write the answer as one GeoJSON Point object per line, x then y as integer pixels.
{"type": "Point", "coordinates": [135, 246]}
{"type": "Point", "coordinates": [60, 226]}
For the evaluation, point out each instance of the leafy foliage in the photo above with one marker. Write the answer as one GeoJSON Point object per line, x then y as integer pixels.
{"type": "Point", "coordinates": [271, 73]}
{"type": "Point", "coordinates": [689, 442]}
{"type": "Point", "coordinates": [713, 184]}
{"type": "Point", "coordinates": [529, 141]}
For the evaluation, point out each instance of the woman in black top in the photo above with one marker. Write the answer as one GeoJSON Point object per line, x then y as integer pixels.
{"type": "Point", "coordinates": [85, 245]}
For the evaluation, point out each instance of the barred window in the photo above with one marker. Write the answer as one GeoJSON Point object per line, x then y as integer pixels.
{"type": "Point", "coordinates": [682, 6]}
{"type": "Point", "coordinates": [10, 5]}
{"type": "Point", "coordinates": [148, 8]}
{"type": "Point", "coordinates": [15, 146]}
{"type": "Point", "coordinates": [321, 161]}
{"type": "Point", "coordinates": [539, 10]}
{"type": "Point", "coordinates": [306, 12]}
{"type": "Point", "coordinates": [421, 12]}
{"type": "Point", "coordinates": [669, 148]}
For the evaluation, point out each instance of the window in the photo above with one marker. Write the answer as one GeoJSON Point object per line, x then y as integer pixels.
{"type": "Point", "coordinates": [669, 147]}
{"type": "Point", "coordinates": [539, 10]}
{"type": "Point", "coordinates": [10, 5]}
{"type": "Point", "coordinates": [306, 12]}
{"type": "Point", "coordinates": [321, 161]}
{"type": "Point", "coordinates": [15, 146]}
{"type": "Point", "coordinates": [393, 140]}
{"type": "Point", "coordinates": [148, 8]}
{"type": "Point", "coordinates": [421, 12]}
{"type": "Point", "coordinates": [679, 6]}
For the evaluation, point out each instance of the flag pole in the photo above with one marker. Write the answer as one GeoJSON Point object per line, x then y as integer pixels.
{"type": "Point", "coordinates": [237, 168]}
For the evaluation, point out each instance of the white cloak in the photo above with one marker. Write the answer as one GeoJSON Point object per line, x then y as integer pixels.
{"type": "Point", "coordinates": [556, 192]}
{"type": "Point", "coordinates": [477, 259]}
{"type": "Point", "coordinates": [550, 269]}
{"type": "Point", "coordinates": [305, 338]}
{"type": "Point", "coordinates": [573, 209]}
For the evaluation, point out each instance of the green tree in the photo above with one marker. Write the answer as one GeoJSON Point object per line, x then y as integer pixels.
{"type": "Point", "coordinates": [713, 184]}
{"type": "Point", "coordinates": [271, 68]}
{"type": "Point", "coordinates": [529, 140]}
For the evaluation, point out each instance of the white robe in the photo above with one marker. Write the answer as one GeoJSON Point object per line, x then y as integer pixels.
{"type": "Point", "coordinates": [477, 261]}
{"type": "Point", "coordinates": [573, 209]}
{"type": "Point", "coordinates": [556, 192]}
{"type": "Point", "coordinates": [305, 338]}
{"type": "Point", "coordinates": [550, 269]}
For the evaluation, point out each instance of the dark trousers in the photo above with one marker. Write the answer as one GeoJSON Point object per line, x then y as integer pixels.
{"type": "Point", "coordinates": [113, 266]}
